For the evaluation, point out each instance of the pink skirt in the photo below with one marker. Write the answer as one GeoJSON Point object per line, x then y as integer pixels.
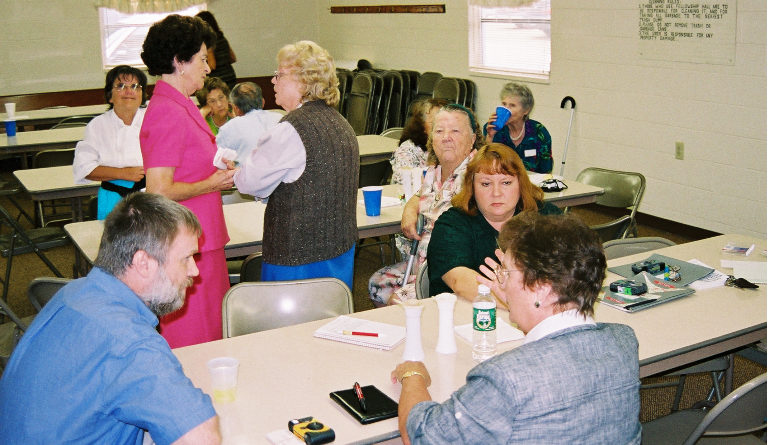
{"type": "Point", "coordinates": [199, 320]}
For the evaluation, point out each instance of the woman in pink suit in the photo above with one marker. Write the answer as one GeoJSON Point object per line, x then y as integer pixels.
{"type": "Point", "coordinates": [178, 149]}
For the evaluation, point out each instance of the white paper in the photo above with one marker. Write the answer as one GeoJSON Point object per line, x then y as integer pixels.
{"type": "Point", "coordinates": [223, 153]}
{"type": "Point", "coordinates": [753, 271]}
{"type": "Point", "coordinates": [504, 332]}
{"type": "Point", "coordinates": [714, 279]}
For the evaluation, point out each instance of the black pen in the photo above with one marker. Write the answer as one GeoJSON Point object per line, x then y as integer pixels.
{"type": "Point", "coordinates": [360, 397]}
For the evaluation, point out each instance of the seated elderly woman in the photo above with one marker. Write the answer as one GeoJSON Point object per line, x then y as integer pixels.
{"type": "Point", "coordinates": [530, 139]}
{"type": "Point", "coordinates": [110, 151]}
{"type": "Point", "coordinates": [214, 103]}
{"type": "Point", "coordinates": [571, 381]}
{"type": "Point", "coordinates": [496, 187]}
{"type": "Point", "coordinates": [454, 139]}
{"type": "Point", "coordinates": [412, 151]}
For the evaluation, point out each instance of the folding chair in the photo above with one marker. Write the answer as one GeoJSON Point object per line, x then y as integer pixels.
{"type": "Point", "coordinates": [74, 121]}
{"type": "Point", "coordinates": [447, 88]}
{"type": "Point", "coordinates": [20, 241]}
{"type": "Point", "coordinates": [621, 190]}
{"type": "Point", "coordinates": [359, 103]}
{"type": "Point", "coordinates": [422, 282]}
{"type": "Point", "coordinates": [255, 307]}
{"type": "Point", "coordinates": [733, 420]}
{"type": "Point", "coordinates": [42, 289]}
{"type": "Point", "coordinates": [53, 158]}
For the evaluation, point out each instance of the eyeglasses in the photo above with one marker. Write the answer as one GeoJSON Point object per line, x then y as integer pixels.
{"type": "Point", "coordinates": [278, 75]}
{"type": "Point", "coordinates": [502, 274]}
{"type": "Point", "coordinates": [122, 86]}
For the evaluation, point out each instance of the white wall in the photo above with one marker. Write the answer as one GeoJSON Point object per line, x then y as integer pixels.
{"type": "Point", "coordinates": [55, 45]}
{"type": "Point", "coordinates": [629, 111]}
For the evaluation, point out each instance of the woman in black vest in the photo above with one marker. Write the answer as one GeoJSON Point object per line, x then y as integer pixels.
{"type": "Point", "coordinates": [308, 166]}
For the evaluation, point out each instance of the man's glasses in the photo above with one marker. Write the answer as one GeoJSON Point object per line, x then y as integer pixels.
{"type": "Point", "coordinates": [132, 86]}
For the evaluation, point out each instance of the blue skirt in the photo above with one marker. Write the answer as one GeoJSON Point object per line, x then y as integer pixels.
{"type": "Point", "coordinates": [341, 267]}
{"type": "Point", "coordinates": [107, 200]}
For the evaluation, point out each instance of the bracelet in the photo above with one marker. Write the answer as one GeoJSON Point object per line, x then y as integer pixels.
{"type": "Point", "coordinates": [411, 374]}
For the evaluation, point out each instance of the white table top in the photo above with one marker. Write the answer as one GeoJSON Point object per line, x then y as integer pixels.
{"type": "Point", "coordinates": [54, 115]}
{"type": "Point", "coordinates": [42, 139]}
{"type": "Point", "coordinates": [53, 183]}
{"type": "Point", "coordinates": [245, 225]}
{"type": "Point", "coordinates": [245, 220]}
{"type": "Point", "coordinates": [374, 147]}
{"type": "Point", "coordinates": [286, 373]}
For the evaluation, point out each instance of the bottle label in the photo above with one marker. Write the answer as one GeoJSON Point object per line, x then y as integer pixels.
{"type": "Point", "coordinates": [483, 319]}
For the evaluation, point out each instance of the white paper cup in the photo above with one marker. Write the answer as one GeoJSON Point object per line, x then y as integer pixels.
{"type": "Point", "coordinates": [223, 372]}
{"type": "Point", "coordinates": [10, 110]}
{"type": "Point", "coordinates": [405, 177]}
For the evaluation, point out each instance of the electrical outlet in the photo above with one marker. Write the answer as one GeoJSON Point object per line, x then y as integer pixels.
{"type": "Point", "coordinates": [679, 150]}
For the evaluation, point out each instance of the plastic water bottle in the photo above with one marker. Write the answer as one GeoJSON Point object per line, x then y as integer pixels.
{"type": "Point", "coordinates": [483, 325]}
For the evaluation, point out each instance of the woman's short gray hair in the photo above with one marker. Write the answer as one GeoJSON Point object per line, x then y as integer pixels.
{"type": "Point", "coordinates": [522, 92]}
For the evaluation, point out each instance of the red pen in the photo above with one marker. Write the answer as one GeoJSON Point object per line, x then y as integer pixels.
{"type": "Point", "coordinates": [367, 334]}
{"type": "Point", "coordinates": [359, 394]}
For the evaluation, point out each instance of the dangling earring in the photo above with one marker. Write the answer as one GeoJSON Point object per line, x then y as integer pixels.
{"type": "Point", "coordinates": [182, 72]}
{"type": "Point", "coordinates": [536, 304]}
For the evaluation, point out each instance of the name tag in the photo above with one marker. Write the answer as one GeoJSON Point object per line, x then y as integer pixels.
{"type": "Point", "coordinates": [530, 153]}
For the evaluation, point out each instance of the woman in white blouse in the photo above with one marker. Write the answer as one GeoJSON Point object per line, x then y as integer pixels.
{"type": "Point", "coordinates": [110, 151]}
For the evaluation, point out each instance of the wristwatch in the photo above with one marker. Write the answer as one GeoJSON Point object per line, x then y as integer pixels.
{"type": "Point", "coordinates": [411, 374]}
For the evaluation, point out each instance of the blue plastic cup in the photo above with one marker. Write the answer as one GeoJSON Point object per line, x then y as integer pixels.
{"type": "Point", "coordinates": [372, 198]}
{"type": "Point", "coordinates": [10, 128]}
{"type": "Point", "coordinates": [502, 116]}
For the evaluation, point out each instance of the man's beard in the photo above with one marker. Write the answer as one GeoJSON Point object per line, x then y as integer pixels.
{"type": "Point", "coordinates": [165, 297]}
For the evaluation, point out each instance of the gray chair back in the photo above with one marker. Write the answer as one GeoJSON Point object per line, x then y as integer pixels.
{"type": "Point", "coordinates": [422, 282]}
{"type": "Point", "coordinates": [447, 88]}
{"type": "Point", "coordinates": [359, 103]}
{"type": "Point", "coordinates": [629, 246]}
{"type": "Point", "coordinates": [394, 132]}
{"type": "Point", "coordinates": [42, 289]}
{"type": "Point", "coordinates": [426, 85]}
{"type": "Point", "coordinates": [740, 413]}
{"type": "Point", "coordinates": [250, 270]}
{"type": "Point", "coordinates": [74, 121]}
{"type": "Point", "coordinates": [621, 190]}
{"type": "Point", "coordinates": [255, 307]}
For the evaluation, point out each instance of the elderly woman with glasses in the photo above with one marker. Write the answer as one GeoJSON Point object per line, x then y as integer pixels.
{"type": "Point", "coordinates": [495, 189]}
{"type": "Point", "coordinates": [308, 167]}
{"type": "Point", "coordinates": [571, 381]}
{"type": "Point", "coordinates": [110, 151]}
{"type": "Point", "coordinates": [179, 149]}
{"type": "Point", "coordinates": [213, 98]}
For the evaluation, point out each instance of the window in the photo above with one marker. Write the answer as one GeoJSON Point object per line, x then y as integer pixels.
{"type": "Point", "coordinates": [510, 40]}
{"type": "Point", "coordinates": [122, 34]}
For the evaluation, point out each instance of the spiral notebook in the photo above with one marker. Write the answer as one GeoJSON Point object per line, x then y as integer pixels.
{"type": "Point", "coordinates": [389, 335]}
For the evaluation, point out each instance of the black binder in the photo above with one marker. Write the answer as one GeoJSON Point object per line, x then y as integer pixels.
{"type": "Point", "coordinates": [379, 405]}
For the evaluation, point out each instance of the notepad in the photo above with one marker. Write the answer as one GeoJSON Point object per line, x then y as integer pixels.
{"type": "Point", "coordinates": [389, 335]}
{"type": "Point", "coordinates": [379, 405]}
{"type": "Point", "coordinates": [504, 332]}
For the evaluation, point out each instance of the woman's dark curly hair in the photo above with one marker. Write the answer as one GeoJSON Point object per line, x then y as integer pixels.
{"type": "Point", "coordinates": [415, 129]}
{"type": "Point", "coordinates": [175, 37]}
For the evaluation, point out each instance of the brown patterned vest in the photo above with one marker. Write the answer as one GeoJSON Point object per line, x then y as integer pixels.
{"type": "Point", "coordinates": [314, 218]}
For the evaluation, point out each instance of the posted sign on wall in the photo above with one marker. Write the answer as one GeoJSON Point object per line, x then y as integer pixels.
{"type": "Point", "coordinates": [687, 31]}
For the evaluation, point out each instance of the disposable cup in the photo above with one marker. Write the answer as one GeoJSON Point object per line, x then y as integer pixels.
{"type": "Point", "coordinates": [502, 116]}
{"type": "Point", "coordinates": [223, 378]}
{"type": "Point", "coordinates": [10, 128]}
{"type": "Point", "coordinates": [372, 198]}
{"type": "Point", "coordinates": [405, 176]}
{"type": "Point", "coordinates": [417, 178]}
{"type": "Point", "coordinates": [10, 110]}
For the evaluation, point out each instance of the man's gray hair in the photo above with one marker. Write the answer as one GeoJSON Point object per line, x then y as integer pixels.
{"type": "Point", "coordinates": [142, 221]}
{"type": "Point", "coordinates": [246, 96]}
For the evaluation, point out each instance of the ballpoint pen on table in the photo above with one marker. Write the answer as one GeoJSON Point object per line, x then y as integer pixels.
{"type": "Point", "coordinates": [366, 334]}
{"type": "Point", "coordinates": [359, 394]}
